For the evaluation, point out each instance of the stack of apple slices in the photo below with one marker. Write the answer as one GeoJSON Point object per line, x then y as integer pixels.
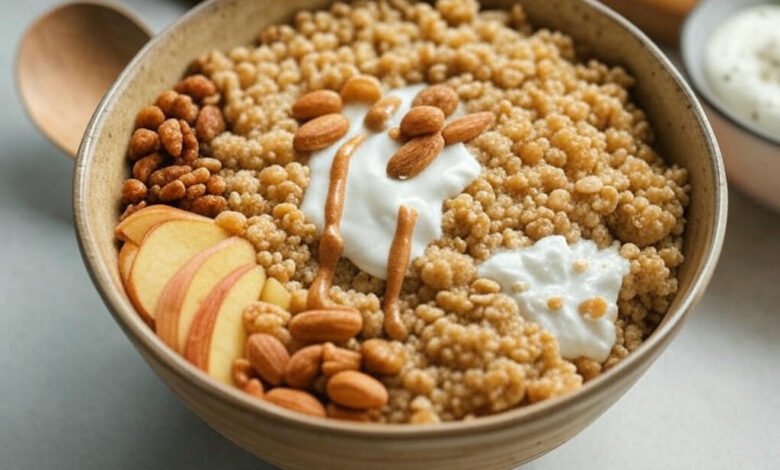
{"type": "Point", "coordinates": [190, 281]}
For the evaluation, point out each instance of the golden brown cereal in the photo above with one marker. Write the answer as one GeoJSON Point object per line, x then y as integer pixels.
{"type": "Point", "coordinates": [171, 137]}
{"type": "Point", "coordinates": [210, 123]}
{"type": "Point", "coordinates": [197, 86]}
{"type": "Point", "coordinates": [133, 191]}
{"type": "Point", "coordinates": [143, 168]}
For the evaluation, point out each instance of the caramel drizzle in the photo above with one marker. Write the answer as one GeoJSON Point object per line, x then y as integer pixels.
{"type": "Point", "coordinates": [331, 242]}
{"type": "Point", "coordinates": [397, 263]}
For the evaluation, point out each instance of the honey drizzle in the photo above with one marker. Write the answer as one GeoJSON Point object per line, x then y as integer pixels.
{"type": "Point", "coordinates": [331, 242]}
{"type": "Point", "coordinates": [397, 263]}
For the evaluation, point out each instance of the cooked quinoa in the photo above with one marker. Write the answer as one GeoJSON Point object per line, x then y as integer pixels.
{"type": "Point", "coordinates": [569, 154]}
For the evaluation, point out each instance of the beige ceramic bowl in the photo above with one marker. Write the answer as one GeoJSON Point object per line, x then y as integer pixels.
{"type": "Point", "coordinates": [294, 441]}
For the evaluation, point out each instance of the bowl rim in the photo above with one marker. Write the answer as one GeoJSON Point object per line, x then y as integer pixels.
{"type": "Point", "coordinates": [711, 99]}
{"type": "Point", "coordinates": [149, 344]}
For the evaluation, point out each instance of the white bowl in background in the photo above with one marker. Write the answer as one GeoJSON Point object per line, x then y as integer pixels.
{"type": "Point", "coordinates": [752, 155]}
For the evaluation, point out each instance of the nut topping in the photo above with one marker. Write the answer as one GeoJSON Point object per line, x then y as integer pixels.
{"type": "Point", "coordinates": [304, 367]}
{"type": "Point", "coordinates": [318, 326]}
{"type": "Point", "coordinates": [361, 88]}
{"type": "Point", "coordinates": [315, 104]}
{"type": "Point", "coordinates": [466, 128]}
{"type": "Point", "coordinates": [320, 132]}
{"type": "Point", "coordinates": [440, 96]}
{"type": "Point", "coordinates": [295, 400]}
{"type": "Point", "coordinates": [422, 120]}
{"type": "Point", "coordinates": [356, 390]}
{"type": "Point", "coordinates": [414, 156]}
{"type": "Point", "coordinates": [380, 112]}
{"type": "Point", "coordinates": [268, 357]}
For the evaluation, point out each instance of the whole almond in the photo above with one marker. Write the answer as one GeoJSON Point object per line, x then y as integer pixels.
{"type": "Point", "coordinates": [379, 113]}
{"type": "Point", "coordinates": [316, 103]}
{"type": "Point", "coordinates": [319, 326]}
{"type": "Point", "coordinates": [268, 357]}
{"type": "Point", "coordinates": [422, 120]}
{"type": "Point", "coordinates": [382, 357]}
{"type": "Point", "coordinates": [356, 390]}
{"type": "Point", "coordinates": [335, 411]}
{"type": "Point", "coordinates": [296, 400]}
{"type": "Point", "coordinates": [361, 88]}
{"type": "Point", "coordinates": [320, 132]}
{"type": "Point", "coordinates": [303, 367]}
{"type": "Point", "coordinates": [414, 156]}
{"type": "Point", "coordinates": [466, 128]}
{"type": "Point", "coordinates": [336, 359]}
{"type": "Point", "coordinates": [441, 96]}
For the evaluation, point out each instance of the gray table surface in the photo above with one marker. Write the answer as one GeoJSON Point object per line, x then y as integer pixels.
{"type": "Point", "coordinates": [74, 393]}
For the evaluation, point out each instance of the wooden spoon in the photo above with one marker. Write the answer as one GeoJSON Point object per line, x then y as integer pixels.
{"type": "Point", "coordinates": [66, 62]}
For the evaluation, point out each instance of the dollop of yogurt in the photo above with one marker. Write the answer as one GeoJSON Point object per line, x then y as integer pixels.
{"type": "Point", "coordinates": [742, 64]}
{"type": "Point", "coordinates": [570, 290]}
{"type": "Point", "coordinates": [372, 198]}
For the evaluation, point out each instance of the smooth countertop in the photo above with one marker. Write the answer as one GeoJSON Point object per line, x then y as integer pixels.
{"type": "Point", "coordinates": [75, 394]}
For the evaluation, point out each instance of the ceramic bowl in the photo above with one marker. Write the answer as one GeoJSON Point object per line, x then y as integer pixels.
{"type": "Point", "coordinates": [292, 440]}
{"type": "Point", "coordinates": [752, 156]}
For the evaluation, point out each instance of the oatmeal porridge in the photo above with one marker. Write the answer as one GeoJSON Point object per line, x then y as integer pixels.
{"type": "Point", "coordinates": [401, 212]}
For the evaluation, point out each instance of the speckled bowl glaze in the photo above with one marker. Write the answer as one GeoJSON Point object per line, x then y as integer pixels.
{"type": "Point", "coordinates": [296, 441]}
{"type": "Point", "coordinates": [752, 156]}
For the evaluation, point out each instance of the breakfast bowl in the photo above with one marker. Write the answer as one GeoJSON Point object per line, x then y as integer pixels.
{"type": "Point", "coordinates": [293, 440]}
{"type": "Point", "coordinates": [751, 154]}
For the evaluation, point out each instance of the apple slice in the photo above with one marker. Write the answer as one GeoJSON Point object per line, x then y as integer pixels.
{"type": "Point", "coordinates": [186, 290]}
{"type": "Point", "coordinates": [275, 293]}
{"type": "Point", "coordinates": [217, 334]}
{"type": "Point", "coordinates": [165, 249]}
{"type": "Point", "coordinates": [137, 224]}
{"type": "Point", "coordinates": [125, 262]}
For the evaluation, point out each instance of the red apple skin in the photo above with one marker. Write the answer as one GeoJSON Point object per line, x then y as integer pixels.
{"type": "Point", "coordinates": [199, 341]}
{"type": "Point", "coordinates": [169, 305]}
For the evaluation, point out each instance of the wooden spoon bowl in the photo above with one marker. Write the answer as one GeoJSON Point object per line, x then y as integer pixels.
{"type": "Point", "coordinates": [67, 60]}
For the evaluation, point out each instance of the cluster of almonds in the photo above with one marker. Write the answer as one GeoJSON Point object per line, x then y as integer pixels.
{"type": "Point", "coordinates": [422, 129]}
{"type": "Point", "coordinates": [165, 150]}
{"type": "Point", "coordinates": [317, 367]}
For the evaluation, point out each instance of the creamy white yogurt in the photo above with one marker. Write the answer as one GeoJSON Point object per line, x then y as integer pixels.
{"type": "Point", "coordinates": [742, 63]}
{"type": "Point", "coordinates": [373, 198]}
{"type": "Point", "coordinates": [550, 281]}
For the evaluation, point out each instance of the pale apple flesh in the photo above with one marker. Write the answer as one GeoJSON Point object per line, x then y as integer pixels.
{"type": "Point", "coordinates": [125, 262]}
{"type": "Point", "coordinates": [165, 249]}
{"type": "Point", "coordinates": [275, 293]}
{"type": "Point", "coordinates": [185, 292]}
{"type": "Point", "coordinates": [217, 335]}
{"type": "Point", "coordinates": [138, 224]}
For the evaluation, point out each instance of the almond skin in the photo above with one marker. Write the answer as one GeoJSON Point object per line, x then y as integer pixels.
{"type": "Point", "coordinates": [466, 128]}
{"type": "Point", "coordinates": [336, 359]}
{"type": "Point", "coordinates": [441, 96]}
{"type": "Point", "coordinates": [320, 132]}
{"type": "Point", "coordinates": [361, 88]}
{"type": "Point", "coordinates": [268, 357]}
{"type": "Point", "coordinates": [316, 103]}
{"type": "Point", "coordinates": [304, 367]}
{"type": "Point", "coordinates": [339, 412]}
{"type": "Point", "coordinates": [319, 326]}
{"type": "Point", "coordinates": [380, 112]}
{"type": "Point", "coordinates": [295, 400]}
{"type": "Point", "coordinates": [414, 156]}
{"type": "Point", "coordinates": [422, 120]}
{"type": "Point", "coordinates": [356, 390]}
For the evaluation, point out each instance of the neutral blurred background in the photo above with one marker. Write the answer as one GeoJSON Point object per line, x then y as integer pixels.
{"type": "Point", "coordinates": [74, 394]}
